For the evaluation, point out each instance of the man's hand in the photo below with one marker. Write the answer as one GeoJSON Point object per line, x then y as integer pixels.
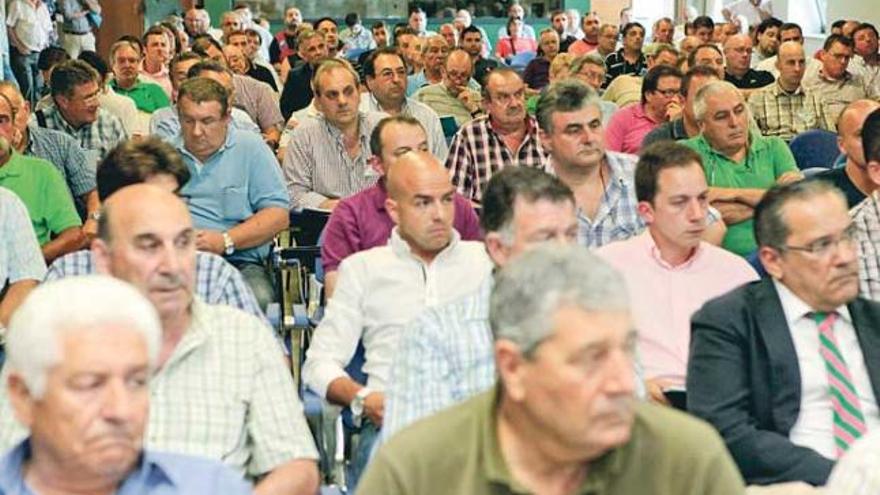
{"type": "Point", "coordinates": [469, 101]}
{"type": "Point", "coordinates": [734, 212]}
{"type": "Point", "coordinates": [210, 241]}
{"type": "Point", "coordinates": [673, 111]}
{"type": "Point", "coordinates": [90, 230]}
{"type": "Point", "coordinates": [374, 408]}
{"type": "Point", "coordinates": [789, 177]}
{"type": "Point", "coordinates": [328, 204]}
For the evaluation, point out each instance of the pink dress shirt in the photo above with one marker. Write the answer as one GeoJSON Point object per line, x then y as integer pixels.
{"type": "Point", "coordinates": [664, 297]}
{"type": "Point", "coordinates": [627, 128]}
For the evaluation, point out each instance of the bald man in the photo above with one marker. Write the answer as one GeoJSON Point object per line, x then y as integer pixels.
{"type": "Point", "coordinates": [214, 362]}
{"type": "Point", "coordinates": [853, 179]}
{"type": "Point", "coordinates": [738, 71]}
{"type": "Point", "coordinates": [378, 291]}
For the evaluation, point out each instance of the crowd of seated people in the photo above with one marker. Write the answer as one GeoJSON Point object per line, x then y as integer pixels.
{"type": "Point", "coordinates": [597, 257]}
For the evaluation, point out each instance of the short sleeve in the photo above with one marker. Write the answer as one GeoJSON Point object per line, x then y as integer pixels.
{"type": "Point", "coordinates": [60, 211]}
{"type": "Point", "coordinates": [266, 183]}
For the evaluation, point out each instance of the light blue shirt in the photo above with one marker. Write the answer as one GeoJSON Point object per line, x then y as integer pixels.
{"type": "Point", "coordinates": [238, 180]}
{"type": "Point", "coordinates": [155, 474]}
{"type": "Point", "coordinates": [165, 123]}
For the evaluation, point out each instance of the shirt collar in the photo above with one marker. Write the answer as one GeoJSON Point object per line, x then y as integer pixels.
{"type": "Point", "coordinates": [777, 89]}
{"type": "Point", "coordinates": [378, 194]}
{"type": "Point", "coordinates": [650, 245]}
{"type": "Point", "coordinates": [795, 308]}
{"type": "Point", "coordinates": [10, 168]}
{"type": "Point", "coordinates": [229, 143]}
{"type": "Point", "coordinates": [336, 133]}
{"type": "Point", "coordinates": [402, 248]}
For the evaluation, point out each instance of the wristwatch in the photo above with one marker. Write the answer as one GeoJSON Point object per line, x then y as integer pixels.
{"type": "Point", "coordinates": [357, 405]}
{"type": "Point", "coordinates": [228, 244]}
{"type": "Point", "coordinates": [95, 215]}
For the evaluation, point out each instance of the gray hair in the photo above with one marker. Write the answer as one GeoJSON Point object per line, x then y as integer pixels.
{"type": "Point", "coordinates": [564, 96]}
{"type": "Point", "coordinates": [711, 89]}
{"type": "Point", "coordinates": [33, 339]}
{"type": "Point", "coordinates": [533, 287]}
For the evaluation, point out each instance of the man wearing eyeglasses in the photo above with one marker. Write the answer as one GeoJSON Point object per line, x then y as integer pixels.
{"type": "Point", "coordinates": [786, 368]}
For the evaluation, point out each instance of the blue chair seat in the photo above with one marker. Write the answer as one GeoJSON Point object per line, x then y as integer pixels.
{"type": "Point", "coordinates": [815, 148]}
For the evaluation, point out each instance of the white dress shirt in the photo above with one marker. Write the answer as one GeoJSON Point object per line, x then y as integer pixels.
{"type": "Point", "coordinates": [815, 423]}
{"type": "Point", "coordinates": [378, 292]}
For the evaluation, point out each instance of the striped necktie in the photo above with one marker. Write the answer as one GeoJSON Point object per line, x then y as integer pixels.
{"type": "Point", "coordinates": [849, 422]}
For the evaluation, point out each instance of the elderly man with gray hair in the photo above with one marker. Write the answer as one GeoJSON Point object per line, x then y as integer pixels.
{"type": "Point", "coordinates": [739, 163]}
{"type": "Point", "coordinates": [78, 378]}
{"type": "Point", "coordinates": [563, 417]}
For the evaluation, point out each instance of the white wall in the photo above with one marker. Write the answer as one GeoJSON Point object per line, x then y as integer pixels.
{"type": "Point", "coordinates": [863, 10]}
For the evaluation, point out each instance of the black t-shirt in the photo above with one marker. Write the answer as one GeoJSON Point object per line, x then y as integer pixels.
{"type": "Point", "coordinates": [752, 79]}
{"type": "Point", "coordinates": [838, 177]}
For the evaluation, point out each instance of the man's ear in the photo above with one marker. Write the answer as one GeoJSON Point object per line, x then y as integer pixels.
{"type": "Point", "coordinates": [510, 362]}
{"type": "Point", "coordinates": [544, 139]}
{"type": "Point", "coordinates": [391, 207]}
{"type": "Point", "coordinates": [101, 253]}
{"type": "Point", "coordinates": [496, 248]}
{"type": "Point", "coordinates": [873, 168]}
{"type": "Point", "coordinates": [376, 164]}
{"type": "Point", "coordinates": [646, 211]}
{"type": "Point", "coordinates": [20, 399]}
{"type": "Point", "coordinates": [772, 260]}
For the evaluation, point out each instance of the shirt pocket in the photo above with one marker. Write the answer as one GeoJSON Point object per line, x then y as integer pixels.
{"type": "Point", "coordinates": [235, 204]}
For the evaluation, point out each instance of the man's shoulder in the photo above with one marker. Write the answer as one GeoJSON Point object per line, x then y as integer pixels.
{"type": "Point", "coordinates": [675, 436]}
{"type": "Point", "coordinates": [35, 165]}
{"type": "Point", "coordinates": [741, 300]}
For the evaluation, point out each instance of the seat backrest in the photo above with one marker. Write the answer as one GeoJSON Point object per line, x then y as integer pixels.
{"type": "Point", "coordinates": [815, 148]}
{"type": "Point", "coordinates": [307, 224]}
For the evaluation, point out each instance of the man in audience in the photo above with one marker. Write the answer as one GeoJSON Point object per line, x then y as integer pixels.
{"type": "Point", "coordinates": [424, 264]}
{"type": "Point", "coordinates": [854, 178]}
{"type": "Point", "coordinates": [866, 59]}
{"type": "Point", "coordinates": [434, 53]}
{"type": "Point", "coordinates": [75, 110]}
{"type": "Point", "coordinates": [472, 43]}
{"type": "Point", "coordinates": [506, 137]}
{"type": "Point", "coordinates": [629, 59]}
{"type": "Point", "coordinates": [789, 31]}
{"type": "Point", "coordinates": [30, 30]}
{"type": "Point", "coordinates": [21, 261]}
{"type": "Point", "coordinates": [564, 406]}
{"type": "Point", "coordinates": [673, 202]}
{"type": "Point", "coordinates": [785, 109]}
{"type": "Point", "coordinates": [157, 54]}
{"type": "Point", "coordinates": [297, 92]}
{"type": "Point", "coordinates": [559, 23]}
{"type": "Point", "coordinates": [660, 104]}
{"type": "Point", "coordinates": [710, 56]}
{"type": "Point", "coordinates": [685, 126]}
{"type": "Point", "coordinates": [247, 23]}
{"type": "Point", "coordinates": [327, 157]}
{"type": "Point", "coordinates": [537, 73]}
{"type": "Point", "coordinates": [833, 84]}
{"type": "Point", "coordinates": [740, 164]}
{"type": "Point", "coordinates": [355, 36]}
{"type": "Point", "coordinates": [783, 367]}
{"type": "Point", "coordinates": [361, 222]}
{"type": "Point", "coordinates": [385, 76]}
{"type": "Point", "coordinates": [590, 24]}
{"type": "Point", "coordinates": [165, 122]}
{"type": "Point", "coordinates": [517, 11]}
{"type": "Point", "coordinates": [215, 361]}
{"type": "Point", "coordinates": [76, 30]}
{"type": "Point", "coordinates": [55, 147]}
{"type": "Point", "coordinates": [602, 181]}
{"type": "Point", "coordinates": [327, 26]}
{"type": "Point", "coordinates": [418, 22]}
{"type": "Point", "coordinates": [125, 58]}
{"type": "Point", "coordinates": [738, 71]}
{"type": "Point", "coordinates": [230, 21]}
{"type": "Point", "coordinates": [41, 188]}
{"type": "Point", "coordinates": [449, 34]}
{"type": "Point", "coordinates": [284, 43]}
{"type": "Point", "coordinates": [238, 52]}
{"type": "Point", "coordinates": [704, 28]}
{"type": "Point", "coordinates": [102, 333]}
{"type": "Point", "coordinates": [236, 193]}
{"type": "Point", "coordinates": [663, 30]}
{"type": "Point", "coordinates": [197, 21]}
{"type": "Point", "coordinates": [767, 34]}
{"type": "Point", "coordinates": [866, 216]}
{"type": "Point", "coordinates": [607, 40]}
{"type": "Point", "coordinates": [627, 89]}
{"type": "Point", "coordinates": [156, 163]}
{"type": "Point", "coordinates": [453, 96]}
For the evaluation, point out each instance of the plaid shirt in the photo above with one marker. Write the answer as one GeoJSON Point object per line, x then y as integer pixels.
{"type": "Point", "coordinates": [477, 151]}
{"type": "Point", "coordinates": [785, 115]}
{"type": "Point", "coordinates": [100, 136]}
{"type": "Point", "coordinates": [225, 394]}
{"type": "Point", "coordinates": [217, 281]}
{"type": "Point", "coordinates": [66, 154]}
{"type": "Point", "coordinates": [617, 218]}
{"type": "Point", "coordinates": [866, 218]}
{"type": "Point", "coordinates": [836, 95]}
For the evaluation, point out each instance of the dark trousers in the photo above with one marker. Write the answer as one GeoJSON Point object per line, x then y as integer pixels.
{"type": "Point", "coordinates": [27, 74]}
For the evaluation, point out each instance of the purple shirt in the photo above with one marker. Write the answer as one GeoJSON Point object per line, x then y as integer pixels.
{"type": "Point", "coordinates": [627, 128]}
{"type": "Point", "coordinates": [360, 222]}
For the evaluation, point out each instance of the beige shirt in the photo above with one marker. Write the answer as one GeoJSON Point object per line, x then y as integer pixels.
{"type": "Point", "coordinates": [785, 115]}
{"type": "Point", "coordinates": [836, 95]}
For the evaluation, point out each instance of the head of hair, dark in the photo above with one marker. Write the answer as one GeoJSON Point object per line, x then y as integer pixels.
{"type": "Point", "coordinates": [530, 184]}
{"type": "Point", "coordinates": [692, 58]}
{"type": "Point", "coordinates": [68, 75]}
{"type": "Point", "coordinates": [376, 135]}
{"type": "Point", "coordinates": [471, 29]}
{"type": "Point", "coordinates": [770, 22]}
{"type": "Point", "coordinates": [369, 67]}
{"type": "Point", "coordinates": [770, 225]}
{"type": "Point", "coordinates": [703, 21]}
{"type": "Point", "coordinates": [207, 65]}
{"type": "Point", "coordinates": [134, 161]}
{"type": "Point", "coordinates": [95, 60]}
{"type": "Point", "coordinates": [652, 78]}
{"type": "Point", "coordinates": [863, 26]}
{"type": "Point", "coordinates": [202, 90]}
{"type": "Point", "coordinates": [631, 25]}
{"type": "Point", "coordinates": [838, 38]}
{"type": "Point", "coordinates": [697, 71]}
{"type": "Point", "coordinates": [568, 95]}
{"type": "Point", "coordinates": [657, 158]}
{"type": "Point", "coordinates": [203, 42]}
{"type": "Point", "coordinates": [871, 137]}
{"type": "Point", "coordinates": [51, 56]}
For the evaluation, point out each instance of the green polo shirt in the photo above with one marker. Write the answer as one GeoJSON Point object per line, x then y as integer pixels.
{"type": "Point", "coordinates": [457, 451]}
{"type": "Point", "coordinates": [148, 97]}
{"type": "Point", "coordinates": [43, 191]}
{"type": "Point", "coordinates": [767, 159]}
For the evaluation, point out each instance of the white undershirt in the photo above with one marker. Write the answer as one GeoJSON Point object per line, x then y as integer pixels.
{"type": "Point", "coordinates": [814, 425]}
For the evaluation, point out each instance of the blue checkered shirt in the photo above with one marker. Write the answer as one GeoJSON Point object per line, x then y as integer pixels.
{"type": "Point", "coordinates": [217, 281]}
{"type": "Point", "coordinates": [20, 255]}
{"type": "Point", "coordinates": [100, 136]}
{"type": "Point", "coordinates": [617, 218]}
{"type": "Point", "coordinates": [444, 357]}
{"type": "Point", "coordinates": [66, 154]}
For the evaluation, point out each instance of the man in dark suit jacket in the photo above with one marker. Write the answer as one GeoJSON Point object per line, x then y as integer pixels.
{"type": "Point", "coordinates": [756, 370]}
{"type": "Point", "coordinates": [297, 92]}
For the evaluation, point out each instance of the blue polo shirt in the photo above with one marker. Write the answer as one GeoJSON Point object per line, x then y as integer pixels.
{"type": "Point", "coordinates": [238, 180]}
{"type": "Point", "coordinates": [155, 474]}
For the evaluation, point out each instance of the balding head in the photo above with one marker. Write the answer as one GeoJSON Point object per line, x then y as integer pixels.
{"type": "Point", "coordinates": [146, 238]}
{"type": "Point", "coordinates": [791, 64]}
{"type": "Point", "coordinates": [420, 201]}
{"type": "Point", "coordinates": [849, 130]}
{"type": "Point", "coordinates": [738, 54]}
